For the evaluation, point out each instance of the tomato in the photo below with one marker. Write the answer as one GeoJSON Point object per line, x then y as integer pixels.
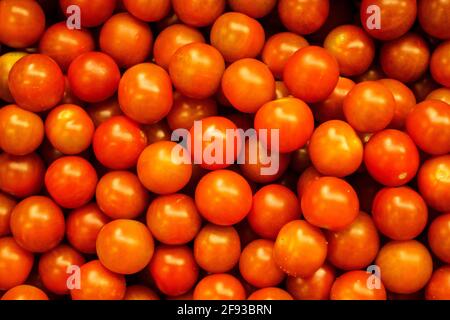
{"type": "Point", "coordinates": [173, 219]}
{"type": "Point", "coordinates": [353, 286]}
{"type": "Point", "coordinates": [424, 87]}
{"type": "Point", "coordinates": [352, 47]}
{"type": "Point", "coordinates": [71, 181]}
{"type": "Point", "coordinates": [438, 287]}
{"type": "Point", "coordinates": [405, 59]}
{"type": "Point", "coordinates": [304, 68]}
{"type": "Point", "coordinates": [174, 270]}
{"type": "Point", "coordinates": [196, 70]}
{"type": "Point", "coordinates": [406, 266]}
{"type": "Point", "coordinates": [125, 246]}
{"type": "Point", "coordinates": [440, 65]}
{"type": "Point", "coordinates": [161, 171]}
{"type": "Point", "coordinates": [145, 93]}
{"type": "Point", "coordinates": [255, 9]}
{"type": "Point", "coordinates": [257, 265]}
{"type": "Point", "coordinates": [118, 142]}
{"type": "Point", "coordinates": [198, 13]}
{"type": "Point", "coordinates": [64, 45]}
{"type": "Point", "coordinates": [21, 176]}
{"type": "Point", "coordinates": [434, 183]}
{"type": "Point", "coordinates": [104, 110]}
{"type": "Point", "coordinates": [281, 91]}
{"type": "Point", "coordinates": [7, 61]}
{"type": "Point", "coordinates": [83, 225]}
{"type": "Point", "coordinates": [303, 17]}
{"type": "Point", "coordinates": [391, 158]}
{"type": "Point", "coordinates": [300, 249]}
{"type": "Point", "coordinates": [37, 232]}
{"type": "Point", "coordinates": [395, 19]}
{"type": "Point", "coordinates": [315, 287]}
{"type": "Point", "coordinates": [434, 17]}
{"type": "Point", "coordinates": [369, 107]}
{"type": "Point", "coordinates": [442, 94]}
{"type": "Point", "coordinates": [148, 10]}
{"type": "Point", "coordinates": [237, 36]}
{"type": "Point", "coordinates": [273, 206]}
{"type": "Point", "coordinates": [400, 213]}
{"type": "Point", "coordinates": [118, 39]}
{"type": "Point", "coordinates": [98, 283]}
{"type": "Point", "coordinates": [69, 129]}
{"type": "Point", "coordinates": [15, 263]}
{"type": "Point", "coordinates": [22, 130]}
{"type": "Point", "coordinates": [7, 204]}
{"type": "Point", "coordinates": [156, 132]}
{"type": "Point", "coordinates": [94, 12]}
{"type": "Point", "coordinates": [138, 292]}
{"type": "Point", "coordinates": [335, 149]}
{"type": "Point", "coordinates": [36, 82]}
{"type": "Point", "coordinates": [248, 84]}
{"type": "Point", "coordinates": [292, 117]}
{"type": "Point", "coordinates": [219, 286]}
{"type": "Point", "coordinates": [93, 76]}
{"type": "Point", "coordinates": [25, 292]}
{"type": "Point", "coordinates": [53, 267]}
{"type": "Point", "coordinates": [270, 294]}
{"type": "Point", "coordinates": [439, 237]}
{"type": "Point", "coordinates": [171, 39]}
{"type": "Point", "coordinates": [306, 178]}
{"type": "Point", "coordinates": [217, 248]}
{"type": "Point", "coordinates": [185, 111]}
{"type": "Point", "coordinates": [330, 203]}
{"type": "Point", "coordinates": [23, 23]}
{"type": "Point", "coordinates": [223, 197]}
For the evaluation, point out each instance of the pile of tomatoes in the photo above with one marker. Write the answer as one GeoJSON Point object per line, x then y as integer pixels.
{"type": "Point", "coordinates": [93, 204]}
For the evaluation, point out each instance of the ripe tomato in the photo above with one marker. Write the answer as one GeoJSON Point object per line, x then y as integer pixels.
{"type": "Point", "coordinates": [156, 132]}
{"type": "Point", "coordinates": [145, 93]}
{"type": "Point", "coordinates": [219, 286]}
{"type": "Point", "coordinates": [303, 17]}
{"type": "Point", "coordinates": [391, 158]}
{"type": "Point", "coordinates": [309, 175]}
{"type": "Point", "coordinates": [353, 286]}
{"type": "Point", "coordinates": [7, 61]}
{"type": "Point", "coordinates": [440, 65]}
{"type": "Point", "coordinates": [71, 181]}
{"type": "Point", "coordinates": [25, 292]}
{"type": "Point", "coordinates": [441, 94]}
{"type": "Point", "coordinates": [270, 294]}
{"type": "Point", "coordinates": [7, 204]}
{"type": "Point", "coordinates": [217, 248]}
{"type": "Point", "coordinates": [104, 110]}
{"type": "Point", "coordinates": [93, 76]}
{"type": "Point", "coordinates": [300, 249]}
{"type": "Point", "coordinates": [22, 130]}
{"type": "Point", "coordinates": [148, 10]}
{"type": "Point", "coordinates": [37, 232]}
{"type": "Point", "coordinates": [399, 213]}
{"type": "Point", "coordinates": [223, 197]}
{"type": "Point", "coordinates": [433, 17]}
{"type": "Point", "coordinates": [438, 287]}
{"type": "Point", "coordinates": [36, 82]}
{"type": "Point", "coordinates": [198, 13]}
{"type": "Point", "coordinates": [174, 270]}
{"type": "Point", "coordinates": [439, 237]}
{"type": "Point", "coordinates": [15, 263]}
{"type": "Point", "coordinates": [255, 9]}
{"type": "Point", "coordinates": [315, 287]}
{"type": "Point", "coordinates": [330, 203]}
{"type": "Point", "coordinates": [138, 292]}
{"type": "Point", "coordinates": [93, 12]}
{"type": "Point", "coordinates": [237, 36]}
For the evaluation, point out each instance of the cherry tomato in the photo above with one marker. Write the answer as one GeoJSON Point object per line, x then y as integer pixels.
{"type": "Point", "coordinates": [7, 61]}
{"type": "Point", "coordinates": [391, 158]}
{"type": "Point", "coordinates": [93, 12]}
{"type": "Point", "coordinates": [353, 286]}
{"type": "Point", "coordinates": [25, 292]}
{"type": "Point", "coordinates": [399, 213]}
{"type": "Point", "coordinates": [7, 204]}
{"type": "Point", "coordinates": [156, 132]}
{"type": "Point", "coordinates": [71, 181]}
{"type": "Point", "coordinates": [255, 9]}
{"type": "Point", "coordinates": [198, 13]}
{"type": "Point", "coordinates": [174, 270]}
{"type": "Point", "coordinates": [442, 94]}
{"type": "Point", "coordinates": [237, 36]}
{"type": "Point", "coordinates": [145, 93]}
{"type": "Point", "coordinates": [223, 197]}
{"type": "Point", "coordinates": [300, 249]}
{"type": "Point", "coordinates": [439, 237]}
{"type": "Point", "coordinates": [315, 287]}
{"type": "Point", "coordinates": [438, 287]}
{"type": "Point", "coordinates": [306, 178]}
{"type": "Point", "coordinates": [37, 232]}
{"type": "Point", "coordinates": [219, 286]}
{"type": "Point", "coordinates": [15, 263]}
{"type": "Point", "coordinates": [36, 82]}
{"type": "Point", "coordinates": [148, 10]}
{"type": "Point", "coordinates": [104, 110]}
{"type": "Point", "coordinates": [217, 248]}
{"type": "Point", "coordinates": [270, 294]}
{"type": "Point", "coordinates": [433, 17]}
{"type": "Point", "coordinates": [138, 292]}
{"type": "Point", "coordinates": [303, 17]}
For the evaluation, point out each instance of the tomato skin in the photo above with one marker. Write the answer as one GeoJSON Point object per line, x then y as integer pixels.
{"type": "Point", "coordinates": [304, 66]}
{"type": "Point", "coordinates": [156, 132]}
{"type": "Point", "coordinates": [433, 17]}
{"type": "Point", "coordinates": [148, 10]}
{"type": "Point", "coordinates": [15, 263]}
{"type": "Point", "coordinates": [23, 23]}
{"type": "Point", "coordinates": [438, 287]}
{"type": "Point", "coordinates": [63, 182]}
{"type": "Point", "coordinates": [36, 82]}
{"type": "Point", "coordinates": [353, 286]}
{"type": "Point", "coordinates": [391, 158]}
{"type": "Point", "coordinates": [7, 61]}
{"type": "Point", "coordinates": [330, 203]}
{"type": "Point", "coordinates": [441, 94]}
{"type": "Point", "coordinates": [104, 110]}
{"type": "Point", "coordinates": [300, 249]}
{"type": "Point", "coordinates": [433, 182]}
{"type": "Point", "coordinates": [95, 12]}
{"type": "Point", "coordinates": [145, 93]}
{"type": "Point", "coordinates": [255, 9]}
{"type": "Point", "coordinates": [93, 76]}
{"type": "Point", "coordinates": [315, 287]}
{"type": "Point", "coordinates": [53, 266]}
{"type": "Point", "coordinates": [400, 213]}
{"type": "Point", "coordinates": [220, 286]}
{"type": "Point", "coordinates": [303, 17]}
{"type": "Point", "coordinates": [174, 270]}
{"type": "Point", "coordinates": [223, 197]}
{"type": "Point", "coordinates": [439, 237]}
{"type": "Point", "coordinates": [98, 283]}
{"type": "Point", "coordinates": [25, 292]}
{"type": "Point", "coordinates": [439, 65]}
{"type": "Point", "coordinates": [270, 293]}
{"type": "Point", "coordinates": [22, 130]}
{"type": "Point", "coordinates": [7, 204]}
{"type": "Point", "coordinates": [198, 13]}
{"type": "Point", "coordinates": [37, 233]}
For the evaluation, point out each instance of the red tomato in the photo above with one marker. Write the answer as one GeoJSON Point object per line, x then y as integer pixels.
{"type": "Point", "coordinates": [148, 10]}
{"type": "Point", "coordinates": [25, 292]}
{"type": "Point", "coordinates": [441, 94]}
{"type": "Point", "coordinates": [439, 237]}
{"type": "Point", "coordinates": [7, 204]}
{"type": "Point", "coordinates": [219, 286]}
{"type": "Point", "coordinates": [353, 286]}
{"type": "Point", "coordinates": [315, 287]}
{"type": "Point", "coordinates": [93, 12]}
{"type": "Point", "coordinates": [7, 61]}
{"type": "Point", "coordinates": [270, 293]}
{"type": "Point", "coordinates": [255, 9]}
{"type": "Point", "coordinates": [433, 17]}
{"type": "Point", "coordinates": [156, 132]}
{"type": "Point", "coordinates": [438, 287]}
{"type": "Point", "coordinates": [138, 292]}
{"type": "Point", "coordinates": [185, 111]}
{"type": "Point", "coordinates": [198, 13]}
{"type": "Point", "coordinates": [15, 263]}
{"type": "Point", "coordinates": [303, 17]}
{"type": "Point", "coordinates": [104, 110]}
